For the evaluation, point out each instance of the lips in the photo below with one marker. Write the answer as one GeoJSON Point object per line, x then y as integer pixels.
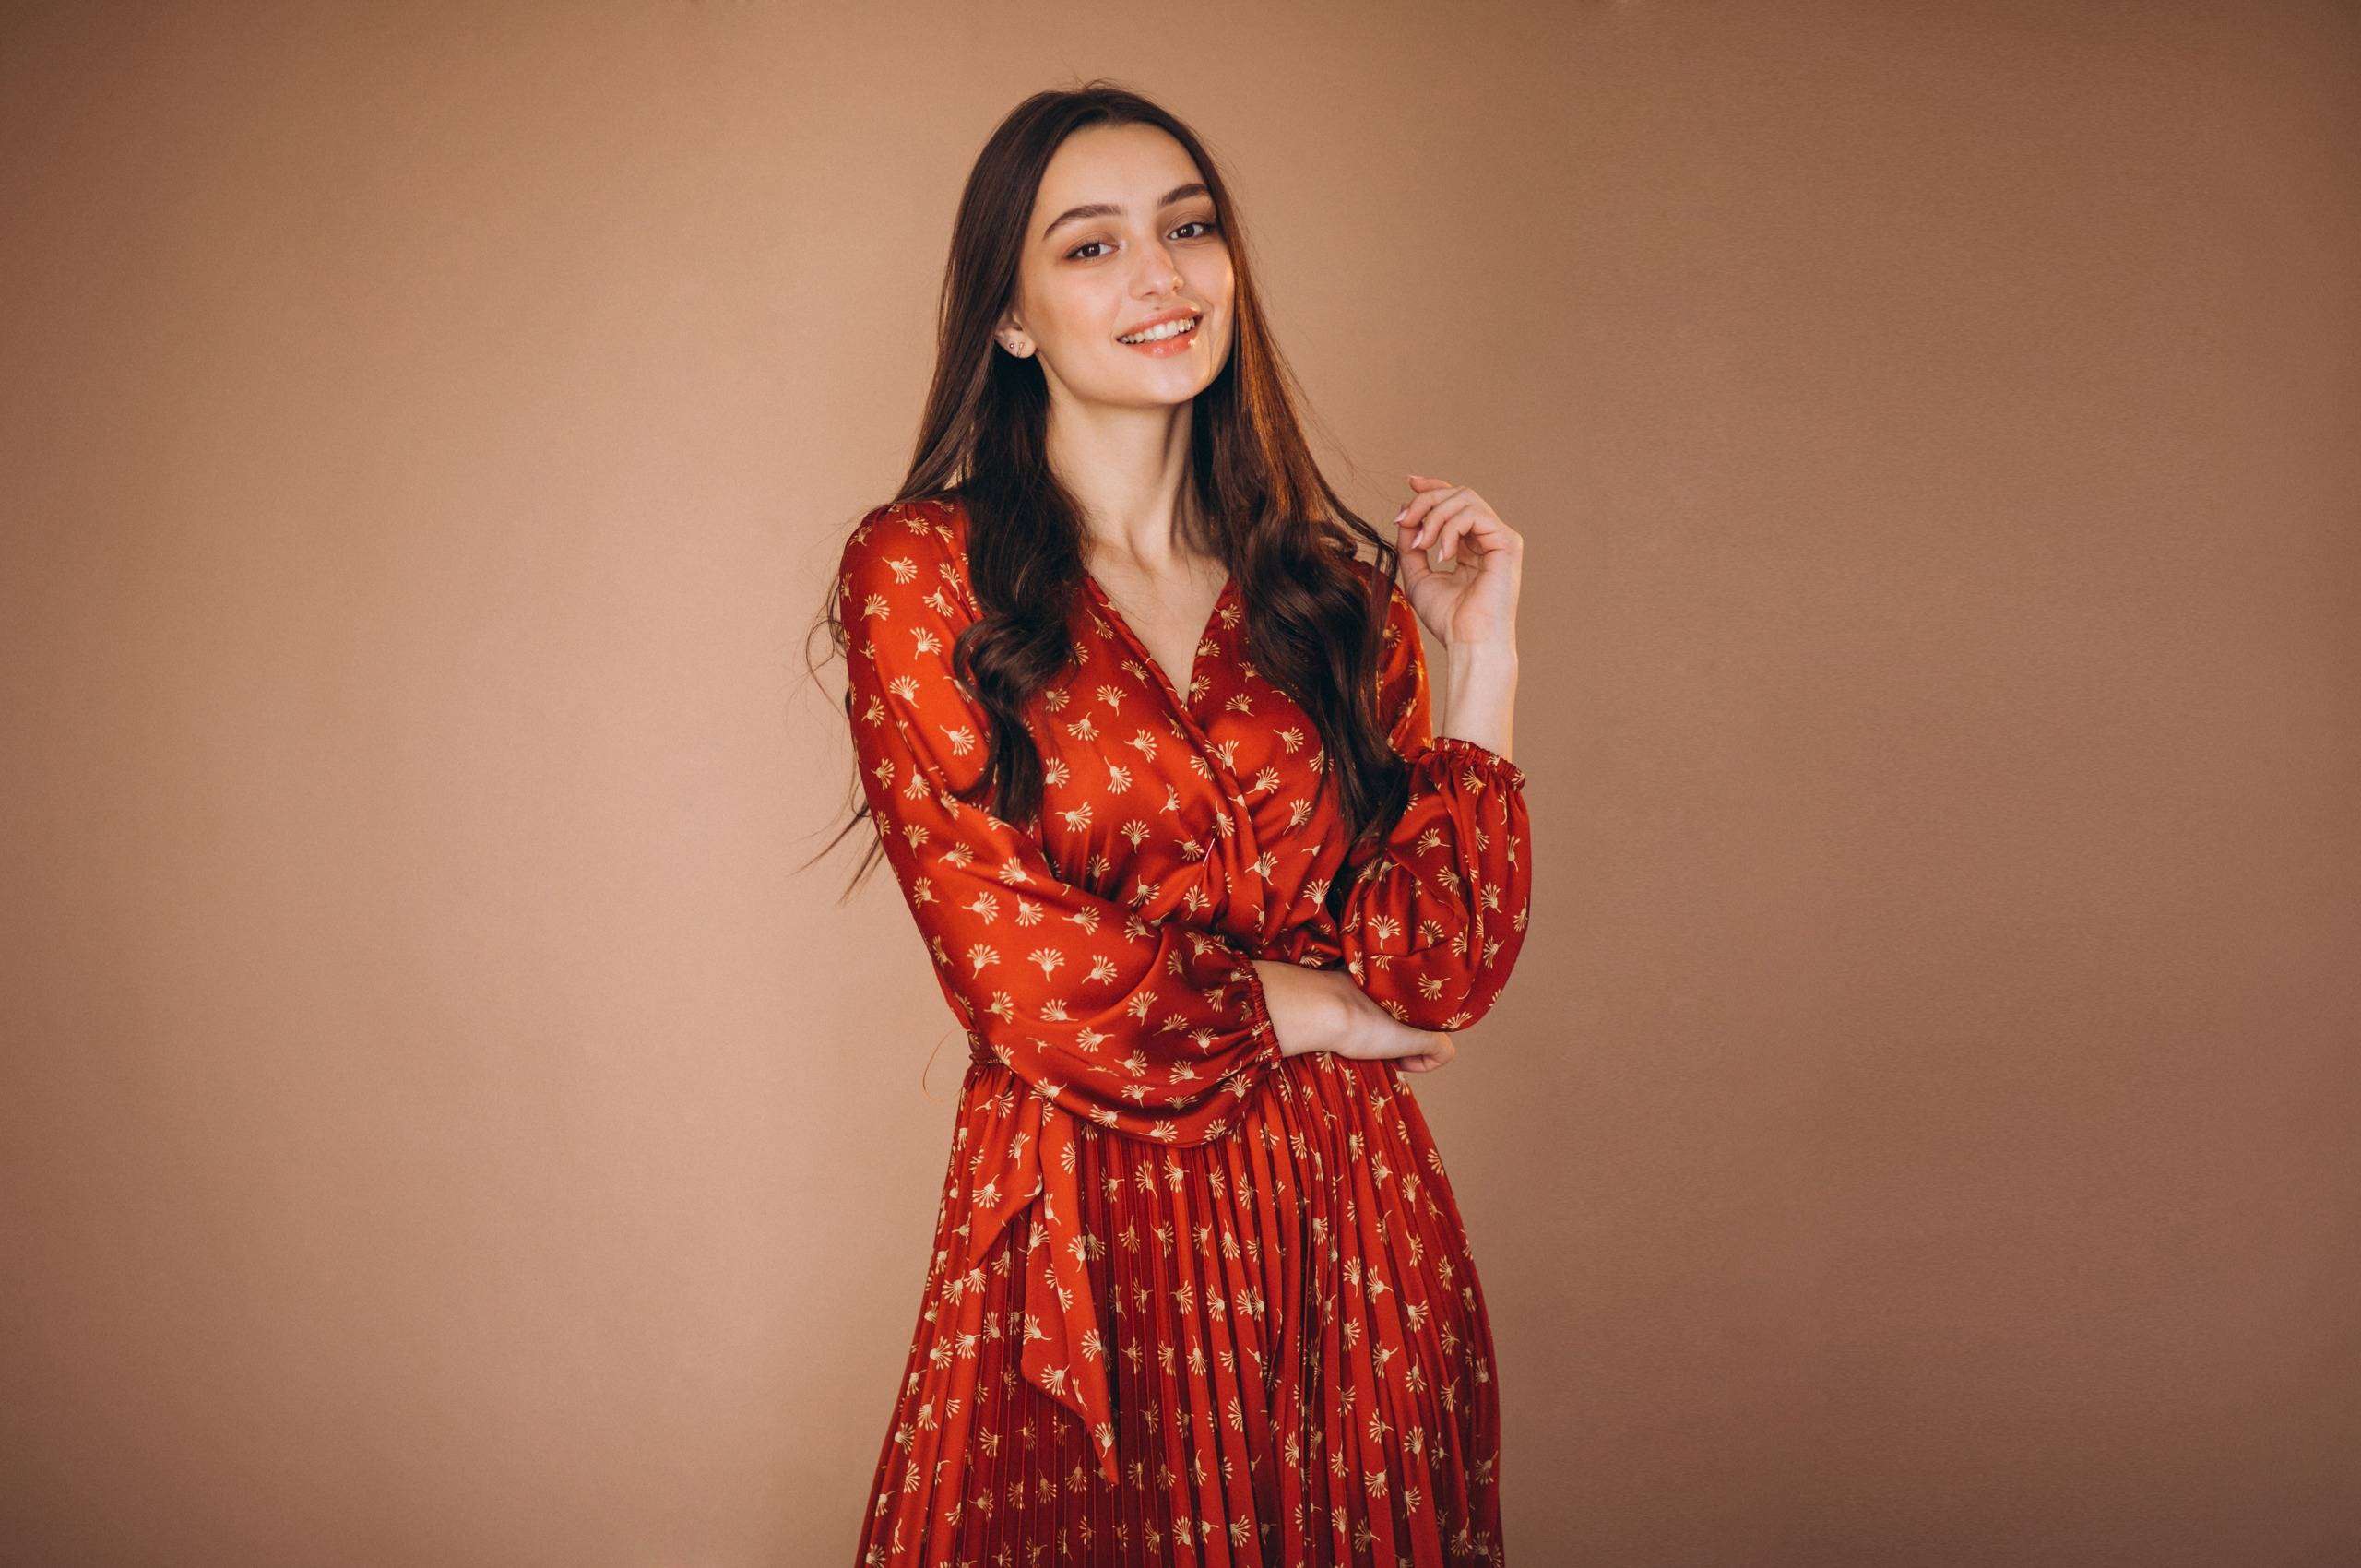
{"type": "Point", "coordinates": [1157, 321]}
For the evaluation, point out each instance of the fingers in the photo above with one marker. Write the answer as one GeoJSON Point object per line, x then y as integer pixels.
{"type": "Point", "coordinates": [1443, 1049]}
{"type": "Point", "coordinates": [1447, 522]}
{"type": "Point", "coordinates": [1420, 525]}
{"type": "Point", "coordinates": [1443, 527]}
{"type": "Point", "coordinates": [1426, 501]}
{"type": "Point", "coordinates": [1373, 1034]}
{"type": "Point", "coordinates": [1442, 514]}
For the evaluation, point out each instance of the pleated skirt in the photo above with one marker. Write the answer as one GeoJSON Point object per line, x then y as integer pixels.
{"type": "Point", "coordinates": [1299, 1354]}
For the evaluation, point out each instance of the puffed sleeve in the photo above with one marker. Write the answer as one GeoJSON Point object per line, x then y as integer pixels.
{"type": "Point", "coordinates": [1432, 925]}
{"type": "Point", "coordinates": [1150, 1028]}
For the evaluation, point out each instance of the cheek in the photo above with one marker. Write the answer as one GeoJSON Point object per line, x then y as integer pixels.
{"type": "Point", "coordinates": [1075, 314]}
{"type": "Point", "coordinates": [1211, 287]}
{"type": "Point", "coordinates": [1213, 277]}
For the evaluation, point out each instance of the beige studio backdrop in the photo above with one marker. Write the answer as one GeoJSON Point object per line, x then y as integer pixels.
{"type": "Point", "coordinates": [445, 1126]}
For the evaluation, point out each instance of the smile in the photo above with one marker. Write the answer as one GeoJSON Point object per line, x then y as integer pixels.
{"type": "Point", "coordinates": [1171, 336]}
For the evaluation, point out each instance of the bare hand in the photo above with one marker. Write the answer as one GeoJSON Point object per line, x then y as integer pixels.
{"type": "Point", "coordinates": [1372, 1034]}
{"type": "Point", "coordinates": [1427, 1061]}
{"type": "Point", "coordinates": [1324, 1010]}
{"type": "Point", "coordinates": [1475, 604]}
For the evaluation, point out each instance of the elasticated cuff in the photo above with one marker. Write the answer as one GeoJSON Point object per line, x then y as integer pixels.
{"type": "Point", "coordinates": [1460, 751]}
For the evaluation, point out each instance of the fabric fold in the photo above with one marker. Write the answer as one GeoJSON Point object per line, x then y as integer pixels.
{"type": "Point", "coordinates": [1296, 1353]}
{"type": "Point", "coordinates": [1064, 1351]}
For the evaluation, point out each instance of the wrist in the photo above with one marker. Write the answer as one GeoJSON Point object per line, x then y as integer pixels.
{"type": "Point", "coordinates": [1334, 1013]}
{"type": "Point", "coordinates": [1478, 695]}
{"type": "Point", "coordinates": [1296, 1017]}
{"type": "Point", "coordinates": [1489, 652]}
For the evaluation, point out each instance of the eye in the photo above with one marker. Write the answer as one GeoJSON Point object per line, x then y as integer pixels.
{"type": "Point", "coordinates": [1205, 223]}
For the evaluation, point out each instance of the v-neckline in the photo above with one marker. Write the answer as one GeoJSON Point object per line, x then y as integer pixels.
{"type": "Point", "coordinates": [1197, 650]}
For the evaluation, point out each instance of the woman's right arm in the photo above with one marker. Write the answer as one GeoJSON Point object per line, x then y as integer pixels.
{"type": "Point", "coordinates": [1324, 1010]}
{"type": "Point", "coordinates": [1148, 1028]}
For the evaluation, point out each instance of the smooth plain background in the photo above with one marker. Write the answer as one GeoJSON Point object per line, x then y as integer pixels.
{"type": "Point", "coordinates": [444, 1124]}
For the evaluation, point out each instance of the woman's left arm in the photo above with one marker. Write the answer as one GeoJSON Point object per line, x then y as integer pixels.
{"type": "Point", "coordinates": [1432, 925]}
{"type": "Point", "coordinates": [1473, 609]}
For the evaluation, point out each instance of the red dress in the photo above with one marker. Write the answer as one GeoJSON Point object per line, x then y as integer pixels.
{"type": "Point", "coordinates": [1189, 1301]}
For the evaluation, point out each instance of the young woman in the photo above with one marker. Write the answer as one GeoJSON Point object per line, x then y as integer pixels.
{"type": "Point", "coordinates": [1152, 753]}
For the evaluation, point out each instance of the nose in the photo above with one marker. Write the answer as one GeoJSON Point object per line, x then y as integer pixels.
{"type": "Point", "coordinates": [1158, 274]}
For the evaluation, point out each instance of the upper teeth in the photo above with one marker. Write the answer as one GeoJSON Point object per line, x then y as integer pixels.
{"type": "Point", "coordinates": [1166, 330]}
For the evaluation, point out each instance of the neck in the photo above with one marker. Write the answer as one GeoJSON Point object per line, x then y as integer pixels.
{"type": "Point", "coordinates": [1126, 468]}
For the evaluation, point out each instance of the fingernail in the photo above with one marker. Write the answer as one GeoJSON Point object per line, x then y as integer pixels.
{"type": "Point", "coordinates": [1402, 514]}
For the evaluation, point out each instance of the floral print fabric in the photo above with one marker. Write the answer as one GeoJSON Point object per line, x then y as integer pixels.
{"type": "Point", "coordinates": [1189, 1300]}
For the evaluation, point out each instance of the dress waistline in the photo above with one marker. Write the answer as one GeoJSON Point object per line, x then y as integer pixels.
{"type": "Point", "coordinates": [1036, 1160]}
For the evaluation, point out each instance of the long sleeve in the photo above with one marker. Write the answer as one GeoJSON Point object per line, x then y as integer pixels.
{"type": "Point", "coordinates": [1432, 926]}
{"type": "Point", "coordinates": [1151, 1027]}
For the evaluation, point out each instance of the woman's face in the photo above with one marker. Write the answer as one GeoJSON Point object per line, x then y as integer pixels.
{"type": "Point", "coordinates": [1144, 243]}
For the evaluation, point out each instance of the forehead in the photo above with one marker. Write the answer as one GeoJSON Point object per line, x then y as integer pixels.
{"type": "Point", "coordinates": [1130, 166]}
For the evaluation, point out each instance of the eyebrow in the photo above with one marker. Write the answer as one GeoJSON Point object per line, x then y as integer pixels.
{"type": "Point", "coordinates": [1110, 209]}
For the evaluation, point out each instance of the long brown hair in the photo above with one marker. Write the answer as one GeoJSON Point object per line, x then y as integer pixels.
{"type": "Point", "coordinates": [1314, 612]}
